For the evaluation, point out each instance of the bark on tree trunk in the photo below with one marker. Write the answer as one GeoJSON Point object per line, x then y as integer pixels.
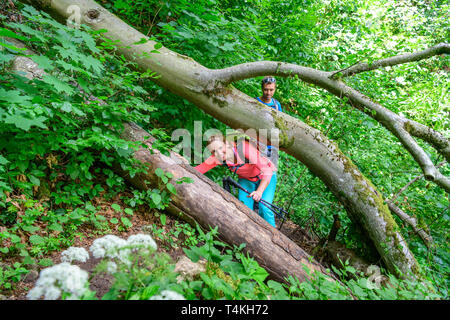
{"type": "Point", "coordinates": [188, 79]}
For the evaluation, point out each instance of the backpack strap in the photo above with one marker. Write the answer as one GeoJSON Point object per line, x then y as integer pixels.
{"type": "Point", "coordinates": [240, 150]}
{"type": "Point", "coordinates": [234, 168]}
{"type": "Point", "coordinates": [277, 104]}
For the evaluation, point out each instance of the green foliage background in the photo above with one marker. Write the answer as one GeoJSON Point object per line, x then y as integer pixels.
{"type": "Point", "coordinates": [55, 144]}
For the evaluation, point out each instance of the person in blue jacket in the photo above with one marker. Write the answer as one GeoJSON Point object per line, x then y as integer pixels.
{"type": "Point", "coordinates": [269, 86]}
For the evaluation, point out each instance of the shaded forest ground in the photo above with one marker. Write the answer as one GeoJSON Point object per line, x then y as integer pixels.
{"type": "Point", "coordinates": [142, 221]}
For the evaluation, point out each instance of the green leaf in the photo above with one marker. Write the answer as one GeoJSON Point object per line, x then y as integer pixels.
{"type": "Point", "coordinates": [156, 198]}
{"type": "Point", "coordinates": [35, 239]}
{"type": "Point", "coordinates": [11, 34]}
{"type": "Point", "coordinates": [126, 222]}
{"type": "Point", "coordinates": [114, 220]}
{"type": "Point", "coordinates": [128, 211]}
{"type": "Point", "coordinates": [46, 262]}
{"type": "Point", "coordinates": [192, 254]}
{"type": "Point", "coordinates": [56, 227]}
{"type": "Point", "coordinates": [163, 219]}
{"type": "Point", "coordinates": [5, 57]}
{"type": "Point", "coordinates": [142, 41]}
{"type": "Point", "coordinates": [43, 62]}
{"type": "Point", "coordinates": [13, 96]}
{"type": "Point", "coordinates": [28, 260]}
{"type": "Point", "coordinates": [25, 123]}
{"type": "Point", "coordinates": [11, 47]}
{"type": "Point", "coordinates": [14, 238]}
{"type": "Point", "coordinates": [116, 207]}
{"type": "Point", "coordinates": [171, 188]}
{"type": "Point", "coordinates": [93, 64]}
{"type": "Point", "coordinates": [34, 180]}
{"type": "Point", "coordinates": [30, 229]}
{"type": "Point", "coordinates": [60, 86]}
{"type": "Point", "coordinates": [3, 160]}
{"type": "Point", "coordinates": [159, 172]}
{"type": "Point", "coordinates": [185, 180]}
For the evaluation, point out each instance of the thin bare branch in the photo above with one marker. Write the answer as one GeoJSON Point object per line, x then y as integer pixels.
{"type": "Point", "coordinates": [406, 186]}
{"type": "Point", "coordinates": [441, 48]}
{"type": "Point", "coordinates": [427, 239]}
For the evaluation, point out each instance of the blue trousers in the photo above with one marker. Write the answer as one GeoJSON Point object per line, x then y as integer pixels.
{"type": "Point", "coordinates": [268, 195]}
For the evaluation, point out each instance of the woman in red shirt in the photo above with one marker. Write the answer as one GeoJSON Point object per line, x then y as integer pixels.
{"type": "Point", "coordinates": [257, 174]}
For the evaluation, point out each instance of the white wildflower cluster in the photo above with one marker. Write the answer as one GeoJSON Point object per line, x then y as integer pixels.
{"type": "Point", "coordinates": [167, 295]}
{"type": "Point", "coordinates": [113, 247]}
{"type": "Point", "coordinates": [70, 279]}
{"type": "Point", "coordinates": [107, 247]}
{"type": "Point", "coordinates": [111, 267]}
{"type": "Point", "coordinates": [74, 254]}
{"type": "Point", "coordinates": [63, 277]}
{"type": "Point", "coordinates": [141, 241]}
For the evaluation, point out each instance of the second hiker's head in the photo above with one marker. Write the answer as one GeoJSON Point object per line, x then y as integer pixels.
{"type": "Point", "coordinates": [268, 86]}
{"type": "Point", "coordinates": [220, 147]}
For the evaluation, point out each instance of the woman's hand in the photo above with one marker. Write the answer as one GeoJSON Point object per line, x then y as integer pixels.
{"type": "Point", "coordinates": [256, 195]}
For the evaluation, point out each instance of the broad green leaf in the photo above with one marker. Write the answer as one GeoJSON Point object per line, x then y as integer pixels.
{"type": "Point", "coordinates": [126, 222]}
{"type": "Point", "coordinates": [30, 229]}
{"type": "Point", "coordinates": [60, 86]}
{"type": "Point", "coordinates": [116, 207]}
{"type": "Point", "coordinates": [25, 123]}
{"type": "Point", "coordinates": [3, 160]}
{"type": "Point", "coordinates": [56, 227]}
{"type": "Point", "coordinates": [34, 180]}
{"type": "Point", "coordinates": [11, 34]}
{"type": "Point", "coordinates": [13, 96]}
{"type": "Point", "coordinates": [159, 172]}
{"type": "Point", "coordinates": [163, 219]}
{"type": "Point", "coordinates": [171, 188]}
{"type": "Point", "coordinates": [156, 198]}
{"type": "Point", "coordinates": [46, 262]}
{"type": "Point", "coordinates": [35, 239]}
{"type": "Point", "coordinates": [11, 47]}
{"type": "Point", "coordinates": [43, 62]}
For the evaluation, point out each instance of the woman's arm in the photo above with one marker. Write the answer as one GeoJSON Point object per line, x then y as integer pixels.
{"type": "Point", "coordinates": [207, 165]}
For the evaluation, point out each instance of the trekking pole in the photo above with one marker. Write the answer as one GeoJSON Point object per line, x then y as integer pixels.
{"type": "Point", "coordinates": [280, 212]}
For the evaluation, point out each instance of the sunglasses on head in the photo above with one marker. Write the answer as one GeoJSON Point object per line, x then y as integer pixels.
{"type": "Point", "coordinates": [269, 80]}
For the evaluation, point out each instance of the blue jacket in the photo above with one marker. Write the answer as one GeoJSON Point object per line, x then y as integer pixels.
{"type": "Point", "coordinates": [274, 104]}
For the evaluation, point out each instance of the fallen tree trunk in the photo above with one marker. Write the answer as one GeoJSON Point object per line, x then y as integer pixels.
{"type": "Point", "coordinates": [210, 205]}
{"type": "Point", "coordinates": [192, 81]}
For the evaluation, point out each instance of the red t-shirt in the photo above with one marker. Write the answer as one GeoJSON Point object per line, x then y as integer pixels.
{"type": "Point", "coordinates": [258, 166]}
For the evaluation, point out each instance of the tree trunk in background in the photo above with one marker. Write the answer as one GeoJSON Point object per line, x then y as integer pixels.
{"type": "Point", "coordinates": [188, 79]}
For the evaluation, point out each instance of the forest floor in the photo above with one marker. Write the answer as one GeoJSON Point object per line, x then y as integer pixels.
{"type": "Point", "coordinates": [100, 282]}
